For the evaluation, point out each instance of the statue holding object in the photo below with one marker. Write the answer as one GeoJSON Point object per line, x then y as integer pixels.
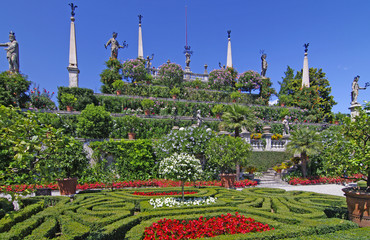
{"type": "Point", "coordinates": [114, 45]}
{"type": "Point", "coordinates": [264, 64]}
{"type": "Point", "coordinates": [148, 63]}
{"type": "Point", "coordinates": [12, 52]}
{"type": "Point", "coordinates": [355, 88]}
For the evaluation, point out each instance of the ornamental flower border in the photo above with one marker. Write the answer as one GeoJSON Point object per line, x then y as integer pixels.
{"type": "Point", "coordinates": [178, 202]}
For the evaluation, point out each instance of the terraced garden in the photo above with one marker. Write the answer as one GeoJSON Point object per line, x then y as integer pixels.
{"type": "Point", "coordinates": [122, 215]}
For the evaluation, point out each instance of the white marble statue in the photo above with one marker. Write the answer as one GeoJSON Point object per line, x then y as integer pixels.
{"type": "Point", "coordinates": [12, 52]}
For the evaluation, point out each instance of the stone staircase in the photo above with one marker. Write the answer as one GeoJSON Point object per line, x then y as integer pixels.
{"type": "Point", "coordinates": [271, 179]}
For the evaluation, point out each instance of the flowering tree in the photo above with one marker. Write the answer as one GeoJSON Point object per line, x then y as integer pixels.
{"type": "Point", "coordinates": [41, 99]}
{"type": "Point", "coordinates": [221, 78]}
{"type": "Point", "coordinates": [171, 74]}
{"type": "Point", "coordinates": [183, 167]}
{"type": "Point", "coordinates": [250, 80]}
{"type": "Point", "coordinates": [134, 69]}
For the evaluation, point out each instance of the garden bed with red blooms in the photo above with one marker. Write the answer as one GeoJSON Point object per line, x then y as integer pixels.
{"type": "Point", "coordinates": [324, 180]}
{"type": "Point", "coordinates": [162, 193]}
{"type": "Point", "coordinates": [202, 227]}
{"type": "Point", "coordinates": [126, 184]}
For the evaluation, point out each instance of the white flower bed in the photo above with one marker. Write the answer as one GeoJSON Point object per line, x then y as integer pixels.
{"type": "Point", "coordinates": [176, 202]}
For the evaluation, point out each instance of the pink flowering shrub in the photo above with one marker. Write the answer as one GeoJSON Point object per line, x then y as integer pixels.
{"type": "Point", "coordinates": [220, 79]}
{"type": "Point", "coordinates": [134, 69]}
{"type": "Point", "coordinates": [171, 74]}
{"type": "Point", "coordinates": [250, 80]}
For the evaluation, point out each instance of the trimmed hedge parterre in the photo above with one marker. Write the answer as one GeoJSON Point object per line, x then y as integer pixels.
{"type": "Point", "coordinates": [122, 215]}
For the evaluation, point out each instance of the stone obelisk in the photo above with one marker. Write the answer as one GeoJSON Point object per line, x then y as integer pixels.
{"type": "Point", "coordinates": [73, 67]}
{"type": "Point", "coordinates": [306, 73]}
{"type": "Point", "coordinates": [229, 62]}
{"type": "Point", "coordinates": [140, 53]}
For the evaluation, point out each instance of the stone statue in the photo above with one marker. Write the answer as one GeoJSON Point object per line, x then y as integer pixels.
{"type": "Point", "coordinates": [12, 52]}
{"type": "Point", "coordinates": [73, 8]}
{"type": "Point", "coordinates": [222, 67]}
{"type": "Point", "coordinates": [355, 88]}
{"type": "Point", "coordinates": [199, 118]}
{"type": "Point", "coordinates": [264, 65]}
{"type": "Point", "coordinates": [114, 45]}
{"type": "Point", "coordinates": [187, 61]}
{"type": "Point", "coordinates": [286, 126]}
{"type": "Point", "coordinates": [148, 63]}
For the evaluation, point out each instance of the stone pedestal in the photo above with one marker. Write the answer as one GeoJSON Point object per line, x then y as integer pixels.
{"type": "Point", "coordinates": [267, 138]}
{"type": "Point", "coordinates": [306, 74]}
{"type": "Point", "coordinates": [73, 76]}
{"type": "Point", "coordinates": [140, 52]}
{"type": "Point", "coordinates": [187, 69]}
{"type": "Point", "coordinates": [354, 110]}
{"type": "Point", "coordinates": [73, 66]}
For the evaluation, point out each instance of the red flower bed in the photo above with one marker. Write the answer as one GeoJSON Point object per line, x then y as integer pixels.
{"type": "Point", "coordinates": [126, 184]}
{"type": "Point", "coordinates": [162, 193]}
{"type": "Point", "coordinates": [323, 180]}
{"type": "Point", "coordinates": [202, 227]}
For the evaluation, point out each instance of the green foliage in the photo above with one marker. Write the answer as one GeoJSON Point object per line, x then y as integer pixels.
{"type": "Point", "coordinates": [84, 97]}
{"type": "Point", "coordinates": [218, 109]}
{"type": "Point", "coordinates": [13, 88]}
{"type": "Point", "coordinates": [238, 116]}
{"type": "Point", "coordinates": [265, 160]}
{"type": "Point", "coordinates": [171, 74]}
{"type": "Point", "coordinates": [175, 91]}
{"type": "Point", "coordinates": [94, 122]}
{"type": "Point", "coordinates": [235, 95]}
{"type": "Point", "coordinates": [68, 99]}
{"type": "Point", "coordinates": [315, 99]}
{"type": "Point", "coordinates": [111, 74]}
{"type": "Point", "coordinates": [147, 103]}
{"type": "Point", "coordinates": [118, 85]}
{"type": "Point", "coordinates": [132, 160]}
{"type": "Point", "coordinates": [134, 69]}
{"type": "Point", "coordinates": [226, 151]}
{"type": "Point", "coordinates": [305, 142]}
{"type": "Point", "coordinates": [41, 99]}
{"type": "Point", "coordinates": [249, 80]}
{"type": "Point", "coordinates": [266, 91]}
{"type": "Point", "coordinates": [222, 79]}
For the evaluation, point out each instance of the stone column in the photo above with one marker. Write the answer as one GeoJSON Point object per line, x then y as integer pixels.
{"type": "Point", "coordinates": [306, 73]}
{"type": "Point", "coordinates": [140, 53]}
{"type": "Point", "coordinates": [354, 110]}
{"type": "Point", "coordinates": [229, 62]}
{"type": "Point", "coordinates": [73, 67]}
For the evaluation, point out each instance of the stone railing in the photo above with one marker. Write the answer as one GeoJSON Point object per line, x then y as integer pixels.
{"type": "Point", "coordinates": [266, 143]}
{"type": "Point", "coordinates": [188, 76]}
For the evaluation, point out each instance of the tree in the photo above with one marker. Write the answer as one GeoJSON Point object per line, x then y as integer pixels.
{"type": "Point", "coordinates": [171, 74]}
{"type": "Point", "coordinates": [111, 74]}
{"type": "Point", "coordinates": [13, 88]}
{"type": "Point", "coordinates": [316, 99]}
{"type": "Point", "coordinates": [236, 117]}
{"type": "Point", "coordinates": [305, 142]}
{"type": "Point", "coordinates": [183, 167]}
{"type": "Point", "coordinates": [94, 122]}
{"type": "Point", "coordinates": [134, 69]}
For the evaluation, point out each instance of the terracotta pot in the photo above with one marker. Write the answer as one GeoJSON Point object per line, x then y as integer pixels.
{"type": "Point", "coordinates": [131, 135]}
{"type": "Point", "coordinates": [67, 186]}
{"type": "Point", "coordinates": [197, 87]}
{"type": "Point", "coordinates": [174, 97]}
{"type": "Point", "coordinates": [239, 90]}
{"type": "Point", "coordinates": [283, 105]}
{"type": "Point", "coordinates": [218, 116]}
{"type": "Point", "coordinates": [278, 170]}
{"type": "Point", "coordinates": [234, 100]}
{"type": "Point", "coordinates": [227, 180]}
{"type": "Point", "coordinates": [69, 108]}
{"type": "Point", "coordinates": [358, 204]}
{"type": "Point", "coordinates": [147, 112]}
{"type": "Point", "coordinates": [336, 122]}
{"type": "Point", "coordinates": [43, 192]}
{"type": "Point", "coordinates": [118, 92]}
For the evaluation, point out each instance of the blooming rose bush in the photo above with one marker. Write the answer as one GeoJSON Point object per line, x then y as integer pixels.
{"type": "Point", "coordinates": [177, 202]}
{"type": "Point", "coordinates": [171, 74]}
{"type": "Point", "coordinates": [203, 227]}
{"type": "Point", "coordinates": [134, 69]}
{"type": "Point", "coordinates": [161, 193]}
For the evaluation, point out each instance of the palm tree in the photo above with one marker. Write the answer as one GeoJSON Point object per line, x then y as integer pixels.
{"type": "Point", "coordinates": [237, 117]}
{"type": "Point", "coordinates": [306, 143]}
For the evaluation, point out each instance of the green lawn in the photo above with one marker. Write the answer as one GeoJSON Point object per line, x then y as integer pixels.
{"type": "Point", "coordinates": [121, 215]}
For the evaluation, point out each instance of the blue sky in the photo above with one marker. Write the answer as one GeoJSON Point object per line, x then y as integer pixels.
{"type": "Point", "coordinates": [338, 32]}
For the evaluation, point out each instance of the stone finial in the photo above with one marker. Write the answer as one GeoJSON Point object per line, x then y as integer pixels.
{"type": "Point", "coordinates": [228, 33]}
{"type": "Point", "coordinates": [140, 17]}
{"type": "Point", "coordinates": [306, 47]}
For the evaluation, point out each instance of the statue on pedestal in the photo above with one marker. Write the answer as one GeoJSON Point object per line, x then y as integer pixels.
{"type": "Point", "coordinates": [199, 118]}
{"type": "Point", "coordinates": [115, 45]}
{"type": "Point", "coordinates": [148, 63]}
{"type": "Point", "coordinates": [12, 52]}
{"type": "Point", "coordinates": [264, 65]}
{"type": "Point", "coordinates": [286, 126]}
{"type": "Point", "coordinates": [355, 88]}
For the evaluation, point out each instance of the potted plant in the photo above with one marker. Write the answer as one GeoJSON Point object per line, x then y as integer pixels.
{"type": "Point", "coordinates": [175, 92]}
{"type": "Point", "coordinates": [235, 95]}
{"type": "Point", "coordinates": [278, 168]}
{"type": "Point", "coordinates": [147, 104]}
{"type": "Point", "coordinates": [221, 152]}
{"type": "Point", "coordinates": [218, 109]}
{"type": "Point", "coordinates": [69, 161]}
{"type": "Point", "coordinates": [196, 83]}
{"type": "Point", "coordinates": [68, 100]}
{"type": "Point", "coordinates": [347, 153]}
{"type": "Point", "coordinates": [118, 85]}
{"type": "Point", "coordinates": [130, 124]}
{"type": "Point", "coordinates": [239, 86]}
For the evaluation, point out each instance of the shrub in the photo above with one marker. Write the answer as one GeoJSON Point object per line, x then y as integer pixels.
{"type": "Point", "coordinates": [249, 80]}
{"type": "Point", "coordinates": [147, 103]}
{"type": "Point", "coordinates": [171, 74]}
{"type": "Point", "coordinates": [94, 122]}
{"type": "Point", "coordinates": [220, 79]}
{"type": "Point", "coordinates": [175, 91]}
{"type": "Point", "coordinates": [41, 99]}
{"type": "Point", "coordinates": [118, 85]}
{"type": "Point", "coordinates": [110, 75]}
{"type": "Point", "coordinates": [84, 97]}
{"type": "Point", "coordinates": [134, 69]}
{"type": "Point", "coordinates": [13, 88]}
{"type": "Point", "coordinates": [68, 99]}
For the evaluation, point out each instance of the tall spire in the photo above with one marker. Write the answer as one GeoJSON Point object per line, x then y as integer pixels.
{"type": "Point", "coordinates": [140, 53]}
{"type": "Point", "coordinates": [187, 50]}
{"type": "Point", "coordinates": [72, 66]}
{"type": "Point", "coordinates": [306, 73]}
{"type": "Point", "coordinates": [229, 62]}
